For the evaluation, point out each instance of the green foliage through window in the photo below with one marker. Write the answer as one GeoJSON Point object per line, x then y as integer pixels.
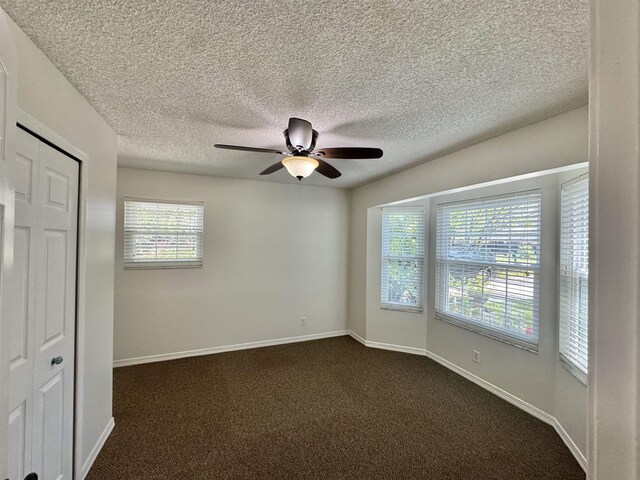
{"type": "Point", "coordinates": [488, 260]}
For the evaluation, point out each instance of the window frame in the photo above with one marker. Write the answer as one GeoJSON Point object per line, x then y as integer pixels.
{"type": "Point", "coordinates": [565, 275]}
{"type": "Point", "coordinates": [385, 304]}
{"type": "Point", "coordinates": [442, 267]}
{"type": "Point", "coordinates": [130, 264]}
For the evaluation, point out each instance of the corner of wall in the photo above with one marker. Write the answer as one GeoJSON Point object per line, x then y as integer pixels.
{"type": "Point", "coordinates": [550, 146]}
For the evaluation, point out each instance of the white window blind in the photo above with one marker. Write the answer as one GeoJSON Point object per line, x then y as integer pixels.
{"type": "Point", "coordinates": [574, 274]}
{"type": "Point", "coordinates": [402, 258]}
{"type": "Point", "coordinates": [488, 264]}
{"type": "Point", "coordinates": [160, 234]}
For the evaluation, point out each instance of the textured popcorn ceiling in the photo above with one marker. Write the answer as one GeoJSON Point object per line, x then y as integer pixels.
{"type": "Point", "coordinates": [415, 78]}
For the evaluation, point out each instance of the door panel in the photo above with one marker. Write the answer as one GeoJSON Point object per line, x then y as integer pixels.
{"type": "Point", "coordinates": [54, 286]}
{"type": "Point", "coordinates": [58, 193]}
{"type": "Point", "coordinates": [49, 449]}
{"type": "Point", "coordinates": [46, 237]}
{"type": "Point", "coordinates": [18, 290]}
{"type": "Point", "coordinates": [23, 176]}
{"type": "Point", "coordinates": [19, 448]}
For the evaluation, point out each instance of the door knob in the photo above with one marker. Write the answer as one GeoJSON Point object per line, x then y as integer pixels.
{"type": "Point", "coordinates": [31, 476]}
{"type": "Point", "coordinates": [54, 361]}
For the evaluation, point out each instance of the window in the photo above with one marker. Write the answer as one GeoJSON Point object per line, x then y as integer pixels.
{"type": "Point", "coordinates": [402, 258]}
{"type": "Point", "coordinates": [488, 263]}
{"type": "Point", "coordinates": [161, 234]}
{"type": "Point", "coordinates": [574, 275]}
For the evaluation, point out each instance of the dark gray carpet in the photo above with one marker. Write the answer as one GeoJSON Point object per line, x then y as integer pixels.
{"type": "Point", "coordinates": [327, 409]}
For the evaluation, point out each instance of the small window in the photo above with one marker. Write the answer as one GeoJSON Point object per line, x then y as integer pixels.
{"type": "Point", "coordinates": [574, 276]}
{"type": "Point", "coordinates": [402, 258]}
{"type": "Point", "coordinates": [488, 264]}
{"type": "Point", "coordinates": [160, 234]}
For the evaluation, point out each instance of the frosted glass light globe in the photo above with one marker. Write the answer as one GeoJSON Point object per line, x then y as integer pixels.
{"type": "Point", "coordinates": [299, 166]}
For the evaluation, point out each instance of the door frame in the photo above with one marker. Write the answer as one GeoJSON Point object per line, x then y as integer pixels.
{"type": "Point", "coordinates": [57, 141]}
{"type": "Point", "coordinates": [8, 67]}
{"type": "Point", "coordinates": [7, 211]}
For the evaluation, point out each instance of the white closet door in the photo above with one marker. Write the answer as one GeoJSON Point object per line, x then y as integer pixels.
{"type": "Point", "coordinates": [43, 325]}
{"type": "Point", "coordinates": [21, 295]}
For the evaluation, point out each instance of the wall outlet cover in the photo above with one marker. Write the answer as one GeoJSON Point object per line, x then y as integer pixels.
{"type": "Point", "coordinates": [476, 356]}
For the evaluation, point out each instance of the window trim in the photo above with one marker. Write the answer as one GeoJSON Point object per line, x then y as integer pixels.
{"type": "Point", "coordinates": [403, 307]}
{"type": "Point", "coordinates": [487, 331]}
{"type": "Point", "coordinates": [573, 369]}
{"type": "Point", "coordinates": [564, 360]}
{"type": "Point", "coordinates": [476, 326]}
{"type": "Point", "coordinates": [169, 264]}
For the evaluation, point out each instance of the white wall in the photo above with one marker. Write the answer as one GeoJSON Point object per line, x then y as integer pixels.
{"type": "Point", "coordinates": [391, 326]}
{"type": "Point", "coordinates": [545, 384]}
{"type": "Point", "coordinates": [552, 143]}
{"type": "Point", "coordinates": [532, 377]}
{"type": "Point", "coordinates": [614, 262]}
{"type": "Point", "coordinates": [536, 379]}
{"type": "Point", "coordinates": [273, 253]}
{"type": "Point", "coordinates": [45, 94]}
{"type": "Point", "coordinates": [529, 376]}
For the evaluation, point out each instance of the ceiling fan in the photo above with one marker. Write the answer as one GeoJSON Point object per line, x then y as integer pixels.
{"type": "Point", "coordinates": [302, 160]}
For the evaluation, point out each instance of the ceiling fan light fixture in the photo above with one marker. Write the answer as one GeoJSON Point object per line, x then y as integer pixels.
{"type": "Point", "coordinates": [297, 161]}
{"type": "Point", "coordinates": [300, 166]}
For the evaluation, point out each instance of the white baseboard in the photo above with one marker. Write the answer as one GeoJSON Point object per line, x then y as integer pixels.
{"type": "Point", "coordinates": [357, 337]}
{"type": "Point", "coordinates": [568, 441]}
{"type": "Point", "coordinates": [387, 346]}
{"type": "Point", "coordinates": [512, 399]}
{"type": "Point", "coordinates": [226, 348]}
{"type": "Point", "coordinates": [86, 466]}
{"type": "Point", "coordinates": [397, 348]}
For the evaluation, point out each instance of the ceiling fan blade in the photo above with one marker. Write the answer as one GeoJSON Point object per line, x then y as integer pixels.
{"type": "Point", "coordinates": [249, 149]}
{"type": "Point", "coordinates": [273, 168]}
{"type": "Point", "coordinates": [300, 133]}
{"type": "Point", "coordinates": [348, 152]}
{"type": "Point", "coordinates": [327, 170]}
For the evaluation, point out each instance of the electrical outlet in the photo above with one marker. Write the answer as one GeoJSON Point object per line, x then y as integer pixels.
{"type": "Point", "coordinates": [303, 321]}
{"type": "Point", "coordinates": [476, 356]}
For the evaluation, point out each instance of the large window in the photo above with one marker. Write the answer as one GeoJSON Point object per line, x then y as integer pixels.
{"type": "Point", "coordinates": [160, 234]}
{"type": "Point", "coordinates": [488, 263]}
{"type": "Point", "coordinates": [574, 275]}
{"type": "Point", "coordinates": [402, 258]}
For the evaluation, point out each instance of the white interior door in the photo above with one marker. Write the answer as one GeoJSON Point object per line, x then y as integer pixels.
{"type": "Point", "coordinates": [43, 292]}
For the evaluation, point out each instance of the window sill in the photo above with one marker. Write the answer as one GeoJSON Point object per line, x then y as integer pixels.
{"type": "Point", "coordinates": [495, 335]}
{"type": "Point", "coordinates": [402, 308]}
{"type": "Point", "coordinates": [573, 370]}
{"type": "Point", "coordinates": [168, 266]}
